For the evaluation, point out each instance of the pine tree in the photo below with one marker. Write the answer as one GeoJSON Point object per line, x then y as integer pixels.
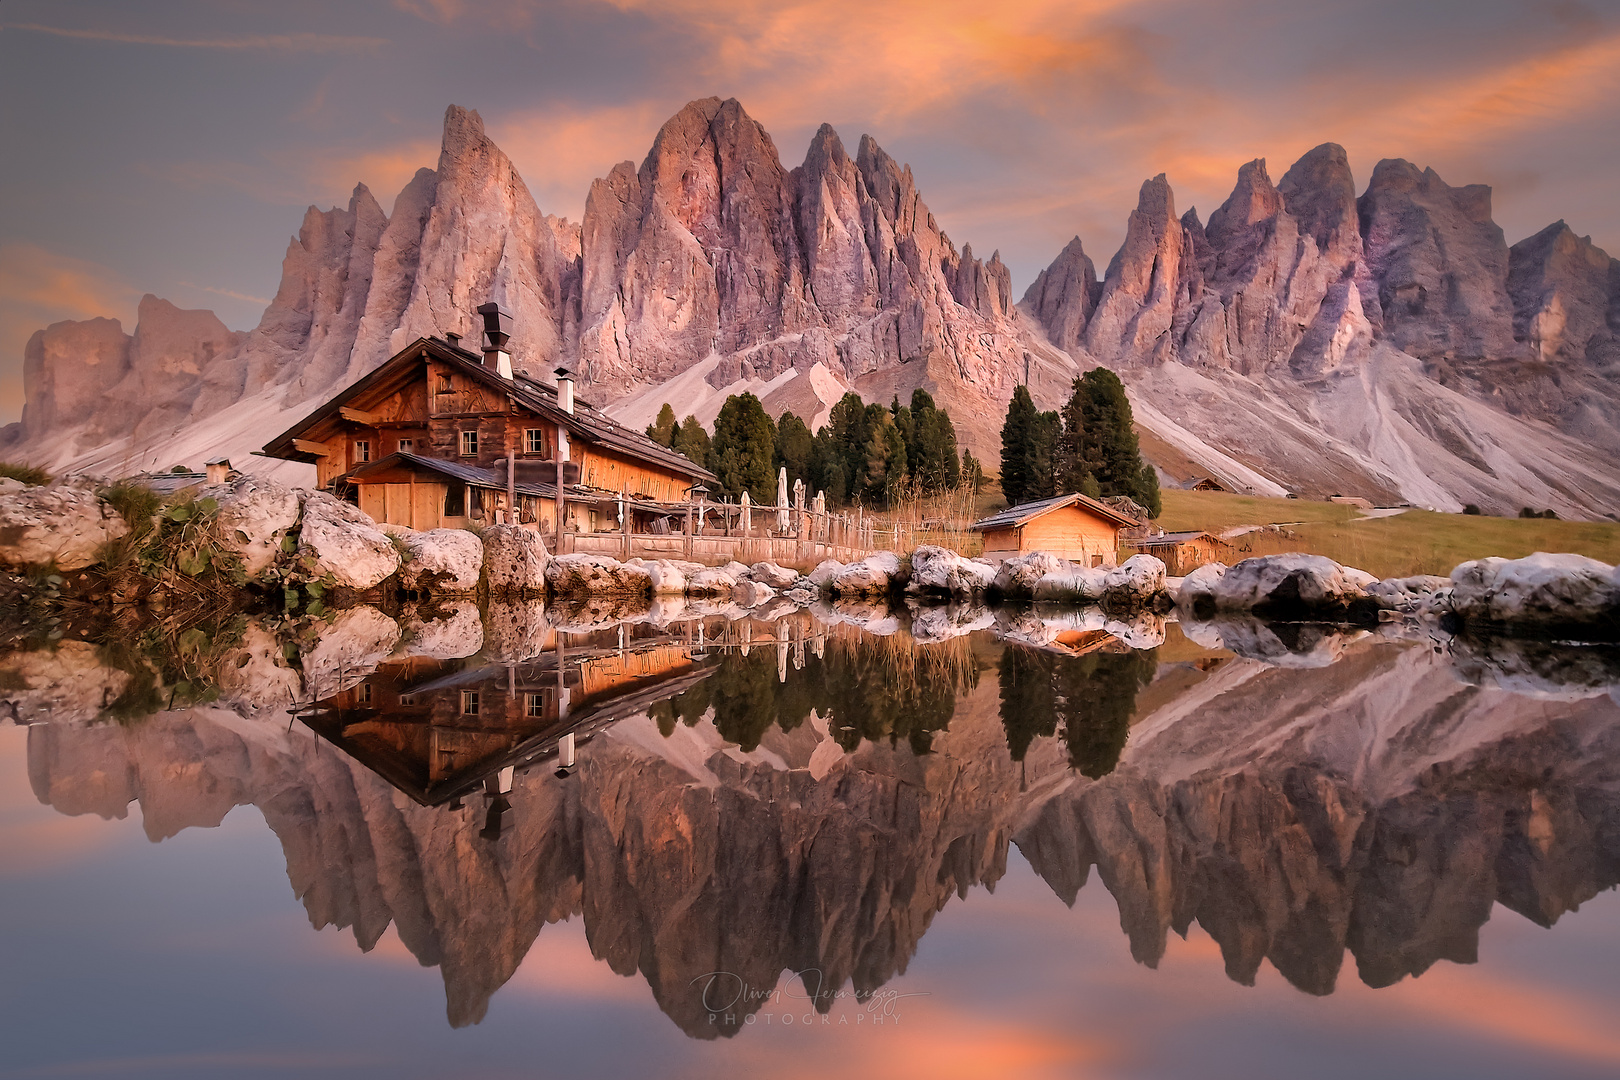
{"type": "Point", "coordinates": [744, 445]}
{"type": "Point", "coordinates": [662, 430]}
{"type": "Point", "coordinates": [692, 440]}
{"type": "Point", "coordinates": [1017, 444]}
{"type": "Point", "coordinates": [972, 472]}
{"type": "Point", "coordinates": [793, 448]}
{"type": "Point", "coordinates": [1098, 452]}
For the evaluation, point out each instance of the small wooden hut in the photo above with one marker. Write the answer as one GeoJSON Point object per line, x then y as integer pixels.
{"type": "Point", "coordinates": [1071, 527]}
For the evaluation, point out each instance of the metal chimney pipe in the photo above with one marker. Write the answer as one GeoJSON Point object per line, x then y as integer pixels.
{"type": "Point", "coordinates": [497, 331]}
{"type": "Point", "coordinates": [565, 390]}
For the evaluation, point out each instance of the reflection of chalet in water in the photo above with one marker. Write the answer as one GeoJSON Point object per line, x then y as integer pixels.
{"type": "Point", "coordinates": [442, 730]}
{"type": "Point", "coordinates": [440, 437]}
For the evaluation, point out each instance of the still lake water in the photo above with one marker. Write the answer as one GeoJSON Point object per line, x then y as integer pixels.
{"type": "Point", "coordinates": [854, 841]}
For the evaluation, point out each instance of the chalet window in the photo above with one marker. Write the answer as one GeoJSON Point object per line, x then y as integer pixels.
{"type": "Point", "coordinates": [534, 441]}
{"type": "Point", "coordinates": [407, 700]}
{"type": "Point", "coordinates": [469, 444]}
{"type": "Point", "coordinates": [469, 703]}
{"type": "Point", "coordinates": [445, 386]}
{"type": "Point", "coordinates": [362, 450]}
{"type": "Point", "coordinates": [534, 705]}
{"type": "Point", "coordinates": [407, 446]}
{"type": "Point", "coordinates": [365, 694]}
{"type": "Point", "coordinates": [455, 500]}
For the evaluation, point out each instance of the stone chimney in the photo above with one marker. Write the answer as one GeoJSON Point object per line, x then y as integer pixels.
{"type": "Point", "coordinates": [565, 390]}
{"type": "Point", "coordinates": [497, 331]}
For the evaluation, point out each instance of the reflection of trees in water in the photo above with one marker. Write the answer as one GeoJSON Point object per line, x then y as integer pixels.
{"type": "Point", "coordinates": [1093, 696]}
{"type": "Point", "coordinates": [867, 689]}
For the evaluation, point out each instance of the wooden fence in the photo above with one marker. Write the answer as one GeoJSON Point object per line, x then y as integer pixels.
{"type": "Point", "coordinates": [714, 534]}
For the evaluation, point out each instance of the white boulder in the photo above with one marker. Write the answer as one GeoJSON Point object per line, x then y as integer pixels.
{"type": "Point", "coordinates": [62, 524]}
{"type": "Point", "coordinates": [1197, 591]}
{"type": "Point", "coordinates": [1408, 595]}
{"type": "Point", "coordinates": [1016, 578]}
{"type": "Point", "coordinates": [777, 577]}
{"type": "Point", "coordinates": [748, 593]}
{"type": "Point", "coordinates": [1074, 585]}
{"type": "Point", "coordinates": [255, 516]}
{"type": "Point", "coordinates": [1540, 589]}
{"type": "Point", "coordinates": [516, 630]}
{"type": "Point", "coordinates": [670, 576]}
{"type": "Point", "coordinates": [441, 561]}
{"type": "Point", "coordinates": [1294, 584]}
{"type": "Point", "coordinates": [710, 582]}
{"type": "Point", "coordinates": [940, 570]}
{"type": "Point", "coordinates": [824, 573]}
{"type": "Point", "coordinates": [349, 648]}
{"type": "Point", "coordinates": [575, 575]}
{"type": "Point", "coordinates": [514, 560]}
{"type": "Point", "coordinates": [449, 633]}
{"type": "Point", "coordinates": [872, 575]}
{"type": "Point", "coordinates": [1134, 583]}
{"type": "Point", "coordinates": [346, 545]}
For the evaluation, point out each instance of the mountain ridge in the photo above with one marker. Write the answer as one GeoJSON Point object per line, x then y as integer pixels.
{"type": "Point", "coordinates": [1306, 339]}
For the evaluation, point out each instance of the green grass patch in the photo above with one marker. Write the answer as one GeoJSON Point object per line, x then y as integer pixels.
{"type": "Point", "coordinates": [1415, 542]}
{"type": "Point", "coordinates": [28, 474]}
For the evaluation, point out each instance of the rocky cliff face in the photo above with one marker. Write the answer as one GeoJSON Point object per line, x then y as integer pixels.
{"type": "Point", "coordinates": [1305, 339]}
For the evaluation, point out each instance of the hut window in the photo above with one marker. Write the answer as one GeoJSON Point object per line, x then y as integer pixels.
{"type": "Point", "coordinates": [534, 705]}
{"type": "Point", "coordinates": [455, 500]}
{"type": "Point", "coordinates": [407, 700]}
{"type": "Point", "coordinates": [362, 450]}
{"type": "Point", "coordinates": [365, 693]}
{"type": "Point", "coordinates": [534, 441]}
{"type": "Point", "coordinates": [469, 703]}
{"type": "Point", "coordinates": [406, 446]}
{"type": "Point", "coordinates": [445, 385]}
{"type": "Point", "coordinates": [469, 443]}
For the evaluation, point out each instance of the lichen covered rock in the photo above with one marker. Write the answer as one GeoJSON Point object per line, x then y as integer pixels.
{"type": "Point", "coordinates": [875, 574]}
{"type": "Point", "coordinates": [1295, 586]}
{"type": "Point", "coordinates": [941, 571]}
{"type": "Point", "coordinates": [63, 524]}
{"type": "Point", "coordinates": [1016, 578]}
{"type": "Point", "coordinates": [1133, 584]}
{"type": "Point", "coordinates": [1540, 590]}
{"type": "Point", "coordinates": [442, 561]}
{"type": "Point", "coordinates": [580, 575]}
{"type": "Point", "coordinates": [514, 560]}
{"type": "Point", "coordinates": [345, 544]}
{"type": "Point", "coordinates": [255, 516]}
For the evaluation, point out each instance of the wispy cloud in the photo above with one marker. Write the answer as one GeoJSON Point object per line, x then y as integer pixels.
{"type": "Point", "coordinates": [227, 292]}
{"type": "Point", "coordinates": [246, 42]}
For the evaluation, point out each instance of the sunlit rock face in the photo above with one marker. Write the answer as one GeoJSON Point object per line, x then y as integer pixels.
{"type": "Point", "coordinates": [809, 803]}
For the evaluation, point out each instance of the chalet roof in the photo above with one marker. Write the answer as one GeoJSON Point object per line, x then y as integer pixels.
{"type": "Point", "coordinates": [1174, 538]}
{"type": "Point", "coordinates": [585, 422]}
{"type": "Point", "coordinates": [1027, 512]}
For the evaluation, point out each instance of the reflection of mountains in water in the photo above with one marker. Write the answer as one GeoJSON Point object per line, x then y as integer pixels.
{"type": "Point", "coordinates": [769, 810]}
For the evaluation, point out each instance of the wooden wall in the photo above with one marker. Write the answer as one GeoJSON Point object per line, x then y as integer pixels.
{"type": "Point", "coordinates": [1068, 532]}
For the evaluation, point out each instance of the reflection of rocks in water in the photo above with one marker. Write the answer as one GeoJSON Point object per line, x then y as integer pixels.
{"type": "Point", "coordinates": [1530, 666]}
{"type": "Point", "coordinates": [1286, 644]}
{"type": "Point", "coordinates": [1372, 805]}
{"type": "Point", "coordinates": [1087, 700]}
{"type": "Point", "coordinates": [772, 814]}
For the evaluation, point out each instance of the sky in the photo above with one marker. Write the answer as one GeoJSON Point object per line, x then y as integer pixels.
{"type": "Point", "coordinates": [172, 147]}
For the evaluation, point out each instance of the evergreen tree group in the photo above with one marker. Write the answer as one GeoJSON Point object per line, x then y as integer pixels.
{"type": "Point", "coordinates": [864, 452]}
{"type": "Point", "coordinates": [1090, 447]}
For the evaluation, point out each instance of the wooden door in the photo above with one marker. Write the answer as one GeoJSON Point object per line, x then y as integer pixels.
{"type": "Point", "coordinates": [374, 501]}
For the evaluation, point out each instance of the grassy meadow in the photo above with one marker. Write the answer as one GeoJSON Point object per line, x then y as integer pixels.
{"type": "Point", "coordinates": [1415, 542]}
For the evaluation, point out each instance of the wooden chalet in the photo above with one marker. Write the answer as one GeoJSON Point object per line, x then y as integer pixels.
{"type": "Point", "coordinates": [440, 731]}
{"type": "Point", "coordinates": [438, 436]}
{"type": "Point", "coordinates": [1072, 527]}
{"type": "Point", "coordinates": [1181, 552]}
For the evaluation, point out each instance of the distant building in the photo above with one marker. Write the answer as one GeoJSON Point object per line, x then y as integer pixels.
{"type": "Point", "coordinates": [1181, 552]}
{"type": "Point", "coordinates": [1071, 527]}
{"type": "Point", "coordinates": [1205, 483]}
{"type": "Point", "coordinates": [439, 436]}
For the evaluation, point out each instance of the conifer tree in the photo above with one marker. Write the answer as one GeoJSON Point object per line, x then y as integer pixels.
{"type": "Point", "coordinates": [743, 448]}
{"type": "Point", "coordinates": [1017, 445]}
{"type": "Point", "coordinates": [692, 440]}
{"type": "Point", "coordinates": [662, 430]}
{"type": "Point", "coordinates": [793, 448]}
